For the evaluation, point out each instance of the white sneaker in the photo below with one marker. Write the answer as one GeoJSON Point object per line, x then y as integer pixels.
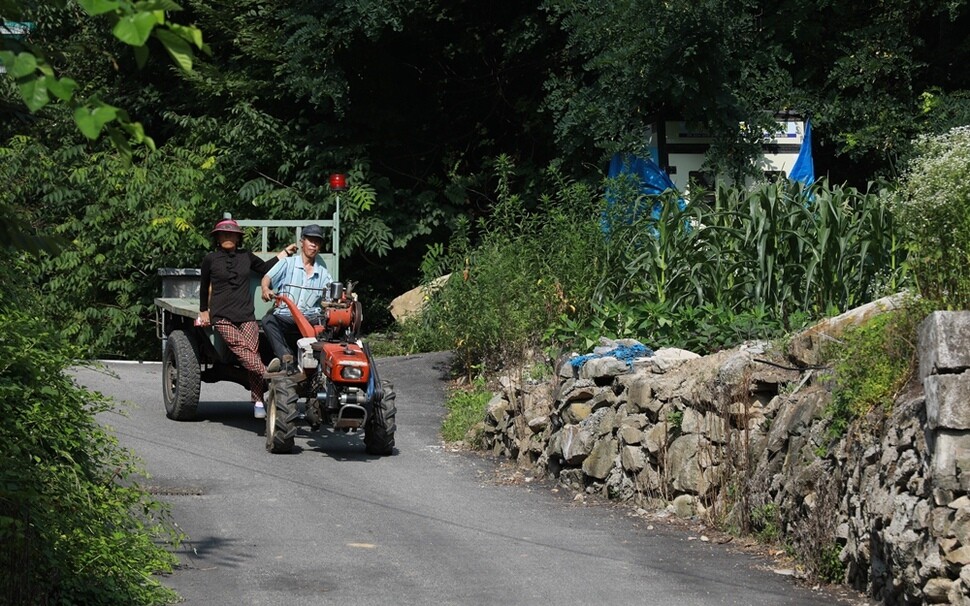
{"type": "Point", "coordinates": [274, 365]}
{"type": "Point", "coordinates": [259, 411]}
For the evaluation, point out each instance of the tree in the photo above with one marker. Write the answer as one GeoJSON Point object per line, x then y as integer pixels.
{"type": "Point", "coordinates": [75, 527]}
{"type": "Point", "coordinates": [872, 77]}
{"type": "Point", "coordinates": [630, 64]}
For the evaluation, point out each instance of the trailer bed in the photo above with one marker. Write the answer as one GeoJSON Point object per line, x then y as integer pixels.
{"type": "Point", "coordinates": [186, 307]}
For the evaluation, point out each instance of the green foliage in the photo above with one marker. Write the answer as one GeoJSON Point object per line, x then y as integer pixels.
{"type": "Point", "coordinates": [628, 62]}
{"type": "Point", "coordinates": [137, 218]}
{"type": "Point", "coordinates": [504, 292]}
{"type": "Point", "coordinates": [766, 523]}
{"type": "Point", "coordinates": [872, 77]}
{"type": "Point", "coordinates": [934, 209]}
{"type": "Point", "coordinates": [758, 263]}
{"type": "Point", "coordinates": [466, 408]}
{"type": "Point", "coordinates": [706, 328]}
{"type": "Point", "coordinates": [873, 362]}
{"type": "Point", "coordinates": [829, 567]}
{"type": "Point", "coordinates": [297, 90]}
{"type": "Point", "coordinates": [132, 24]}
{"type": "Point", "coordinates": [675, 418]}
{"type": "Point", "coordinates": [74, 525]}
{"type": "Point", "coordinates": [755, 265]}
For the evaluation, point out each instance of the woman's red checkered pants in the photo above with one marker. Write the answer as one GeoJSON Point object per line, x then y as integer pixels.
{"type": "Point", "coordinates": [243, 340]}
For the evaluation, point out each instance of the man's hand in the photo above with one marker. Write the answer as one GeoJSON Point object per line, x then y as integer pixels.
{"type": "Point", "coordinates": [203, 319]}
{"type": "Point", "coordinates": [264, 284]}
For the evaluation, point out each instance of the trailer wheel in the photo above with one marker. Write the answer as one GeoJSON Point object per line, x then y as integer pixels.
{"type": "Point", "coordinates": [379, 432]}
{"type": "Point", "coordinates": [281, 415]}
{"type": "Point", "coordinates": [180, 376]}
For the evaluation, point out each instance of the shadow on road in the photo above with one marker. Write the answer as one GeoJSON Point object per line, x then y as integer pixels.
{"type": "Point", "coordinates": [337, 445]}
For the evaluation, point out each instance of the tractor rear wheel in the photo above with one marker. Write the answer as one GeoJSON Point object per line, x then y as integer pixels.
{"type": "Point", "coordinates": [181, 376]}
{"type": "Point", "coordinates": [379, 432]}
{"type": "Point", "coordinates": [281, 415]}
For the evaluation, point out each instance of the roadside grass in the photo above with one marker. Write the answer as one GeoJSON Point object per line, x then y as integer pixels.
{"type": "Point", "coordinates": [466, 409]}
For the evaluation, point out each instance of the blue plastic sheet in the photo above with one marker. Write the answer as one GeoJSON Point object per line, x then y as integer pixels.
{"type": "Point", "coordinates": [804, 168]}
{"type": "Point", "coordinates": [652, 182]}
{"type": "Point", "coordinates": [623, 353]}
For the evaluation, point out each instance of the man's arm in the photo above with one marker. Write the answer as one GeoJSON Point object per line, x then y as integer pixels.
{"type": "Point", "coordinates": [274, 274]}
{"type": "Point", "coordinates": [264, 284]}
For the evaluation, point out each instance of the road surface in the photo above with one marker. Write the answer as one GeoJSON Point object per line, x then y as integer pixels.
{"type": "Point", "coordinates": [330, 524]}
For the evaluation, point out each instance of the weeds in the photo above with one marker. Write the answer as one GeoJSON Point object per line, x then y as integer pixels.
{"type": "Point", "coordinates": [934, 210]}
{"type": "Point", "coordinates": [766, 523]}
{"type": "Point", "coordinates": [755, 265]}
{"type": "Point", "coordinates": [830, 567]}
{"type": "Point", "coordinates": [466, 409]}
{"type": "Point", "coordinates": [874, 362]}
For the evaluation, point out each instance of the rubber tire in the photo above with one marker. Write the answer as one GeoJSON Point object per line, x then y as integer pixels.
{"type": "Point", "coordinates": [379, 433]}
{"type": "Point", "coordinates": [281, 415]}
{"type": "Point", "coordinates": [181, 379]}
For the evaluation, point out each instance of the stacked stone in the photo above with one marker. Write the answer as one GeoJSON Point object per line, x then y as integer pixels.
{"type": "Point", "coordinates": [945, 371]}
{"type": "Point", "coordinates": [656, 428]}
{"type": "Point", "coordinates": [676, 430]}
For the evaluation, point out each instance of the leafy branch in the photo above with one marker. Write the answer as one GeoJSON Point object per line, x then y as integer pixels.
{"type": "Point", "coordinates": [133, 24]}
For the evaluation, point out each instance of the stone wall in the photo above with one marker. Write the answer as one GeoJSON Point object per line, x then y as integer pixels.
{"type": "Point", "coordinates": [745, 441]}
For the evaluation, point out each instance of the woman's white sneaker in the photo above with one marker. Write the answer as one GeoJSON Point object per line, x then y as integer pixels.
{"type": "Point", "coordinates": [259, 411]}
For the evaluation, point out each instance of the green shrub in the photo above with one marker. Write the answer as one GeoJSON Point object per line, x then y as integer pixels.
{"type": "Point", "coordinates": [505, 291]}
{"type": "Point", "coordinates": [755, 264]}
{"type": "Point", "coordinates": [934, 209]}
{"type": "Point", "coordinates": [873, 362]}
{"type": "Point", "coordinates": [829, 567]}
{"type": "Point", "coordinates": [703, 329]}
{"type": "Point", "coordinates": [136, 218]}
{"type": "Point", "coordinates": [74, 526]}
{"type": "Point", "coordinates": [466, 408]}
{"type": "Point", "coordinates": [766, 523]}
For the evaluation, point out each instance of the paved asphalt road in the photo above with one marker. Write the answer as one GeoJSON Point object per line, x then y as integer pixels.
{"type": "Point", "coordinates": [331, 525]}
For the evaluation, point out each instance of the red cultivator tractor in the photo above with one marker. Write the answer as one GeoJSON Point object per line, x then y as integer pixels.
{"type": "Point", "coordinates": [336, 376]}
{"type": "Point", "coordinates": [337, 379]}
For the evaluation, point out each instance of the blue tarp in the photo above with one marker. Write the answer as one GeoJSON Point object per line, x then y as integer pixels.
{"type": "Point", "coordinates": [804, 168]}
{"type": "Point", "coordinates": [652, 180]}
{"type": "Point", "coordinates": [623, 353]}
{"type": "Point", "coordinates": [655, 181]}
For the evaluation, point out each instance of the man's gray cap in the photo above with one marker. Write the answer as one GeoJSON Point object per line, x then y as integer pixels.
{"type": "Point", "coordinates": [312, 231]}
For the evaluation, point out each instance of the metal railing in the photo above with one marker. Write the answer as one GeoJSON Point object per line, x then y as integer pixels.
{"type": "Point", "coordinates": [332, 258]}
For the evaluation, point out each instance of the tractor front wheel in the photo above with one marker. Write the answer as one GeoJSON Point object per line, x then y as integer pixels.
{"type": "Point", "coordinates": [181, 376]}
{"type": "Point", "coordinates": [379, 432]}
{"type": "Point", "coordinates": [281, 415]}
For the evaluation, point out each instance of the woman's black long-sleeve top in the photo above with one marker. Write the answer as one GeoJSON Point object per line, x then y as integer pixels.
{"type": "Point", "coordinates": [228, 274]}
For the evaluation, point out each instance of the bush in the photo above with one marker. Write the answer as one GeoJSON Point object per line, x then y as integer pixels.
{"type": "Point", "coordinates": [466, 408]}
{"type": "Point", "coordinates": [873, 363]}
{"type": "Point", "coordinates": [135, 219]}
{"type": "Point", "coordinates": [75, 528]}
{"type": "Point", "coordinates": [506, 290]}
{"type": "Point", "coordinates": [755, 264]}
{"type": "Point", "coordinates": [934, 209]}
